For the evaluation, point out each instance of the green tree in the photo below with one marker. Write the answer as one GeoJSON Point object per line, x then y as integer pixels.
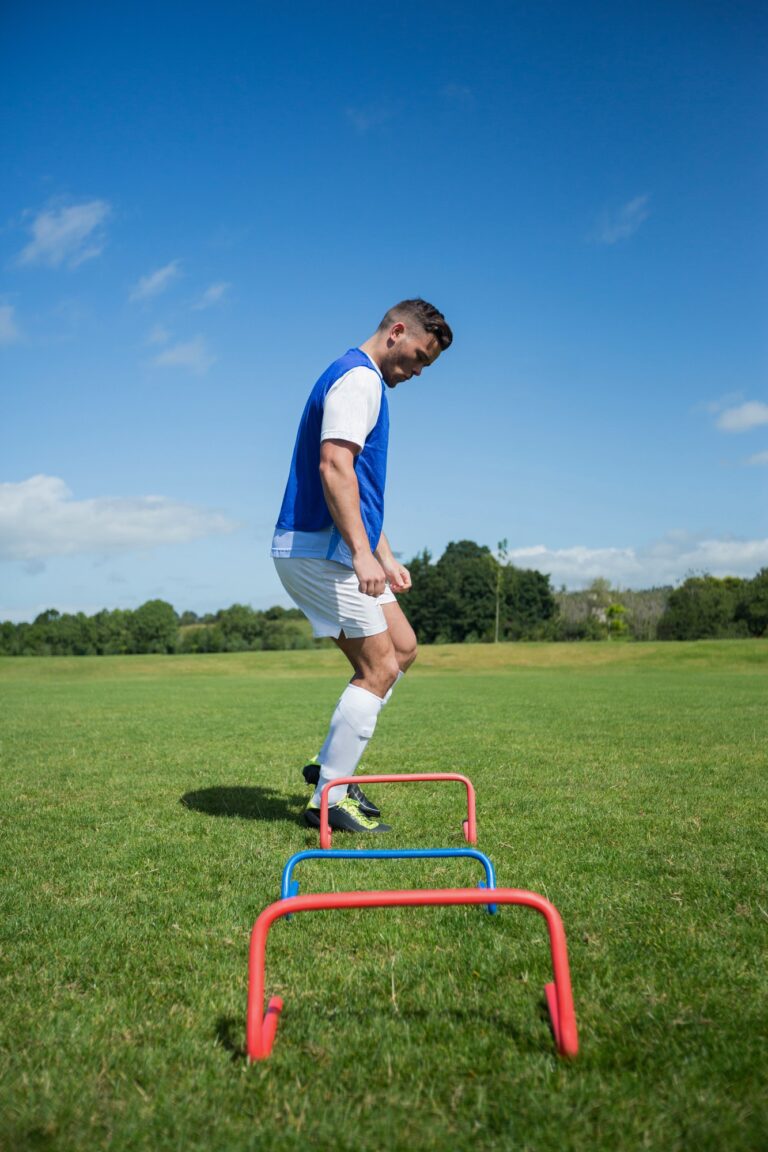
{"type": "Point", "coordinates": [468, 571]}
{"type": "Point", "coordinates": [703, 607]}
{"type": "Point", "coordinates": [8, 638]}
{"type": "Point", "coordinates": [40, 637]}
{"type": "Point", "coordinates": [529, 604]}
{"type": "Point", "coordinates": [287, 633]}
{"type": "Point", "coordinates": [752, 608]}
{"type": "Point", "coordinates": [425, 604]}
{"type": "Point", "coordinates": [202, 638]}
{"type": "Point", "coordinates": [472, 594]}
{"type": "Point", "coordinates": [154, 627]}
{"type": "Point", "coordinates": [112, 632]}
{"type": "Point", "coordinates": [74, 635]}
{"type": "Point", "coordinates": [618, 629]}
{"type": "Point", "coordinates": [242, 627]}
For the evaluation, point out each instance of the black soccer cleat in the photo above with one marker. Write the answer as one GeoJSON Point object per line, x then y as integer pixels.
{"type": "Point", "coordinates": [311, 773]}
{"type": "Point", "coordinates": [346, 816]}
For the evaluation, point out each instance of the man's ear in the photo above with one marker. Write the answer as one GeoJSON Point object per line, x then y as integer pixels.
{"type": "Point", "coordinates": [397, 330]}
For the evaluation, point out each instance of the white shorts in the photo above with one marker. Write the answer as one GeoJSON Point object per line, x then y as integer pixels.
{"type": "Point", "coordinates": [329, 597]}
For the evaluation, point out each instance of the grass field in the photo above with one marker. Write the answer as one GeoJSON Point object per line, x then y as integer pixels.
{"type": "Point", "coordinates": [148, 806]}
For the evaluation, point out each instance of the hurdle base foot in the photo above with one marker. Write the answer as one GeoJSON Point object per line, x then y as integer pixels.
{"type": "Point", "coordinates": [554, 1016]}
{"type": "Point", "coordinates": [268, 1030]}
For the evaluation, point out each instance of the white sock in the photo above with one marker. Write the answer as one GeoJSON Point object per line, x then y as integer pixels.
{"type": "Point", "coordinates": [387, 697]}
{"type": "Point", "coordinates": [352, 726]}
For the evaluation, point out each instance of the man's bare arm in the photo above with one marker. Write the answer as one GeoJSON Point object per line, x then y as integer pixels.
{"type": "Point", "coordinates": [342, 495]}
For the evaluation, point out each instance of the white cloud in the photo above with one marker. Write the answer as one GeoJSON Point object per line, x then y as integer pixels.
{"type": "Point", "coordinates": [156, 282]}
{"type": "Point", "coordinates": [624, 222]}
{"type": "Point", "coordinates": [69, 235]}
{"type": "Point", "coordinates": [715, 407]}
{"type": "Point", "coordinates": [193, 355]}
{"type": "Point", "coordinates": [212, 295]}
{"type": "Point", "coordinates": [39, 519]}
{"type": "Point", "coordinates": [744, 417]}
{"type": "Point", "coordinates": [580, 565]}
{"type": "Point", "coordinates": [158, 335]}
{"type": "Point", "coordinates": [665, 561]}
{"type": "Point", "coordinates": [9, 332]}
{"type": "Point", "coordinates": [759, 460]}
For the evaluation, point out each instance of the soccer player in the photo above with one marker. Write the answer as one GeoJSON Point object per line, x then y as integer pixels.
{"type": "Point", "coordinates": [330, 550]}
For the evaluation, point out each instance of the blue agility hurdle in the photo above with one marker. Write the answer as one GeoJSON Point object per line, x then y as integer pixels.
{"type": "Point", "coordinates": [290, 887]}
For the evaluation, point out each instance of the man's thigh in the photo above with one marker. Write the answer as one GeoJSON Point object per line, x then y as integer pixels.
{"type": "Point", "coordinates": [402, 634]}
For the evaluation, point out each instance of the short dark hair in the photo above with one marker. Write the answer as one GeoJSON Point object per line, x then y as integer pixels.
{"type": "Point", "coordinates": [425, 315]}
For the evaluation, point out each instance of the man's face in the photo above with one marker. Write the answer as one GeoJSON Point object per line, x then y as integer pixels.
{"type": "Point", "coordinates": [409, 351]}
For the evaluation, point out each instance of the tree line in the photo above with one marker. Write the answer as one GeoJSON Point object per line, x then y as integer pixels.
{"type": "Point", "coordinates": [705, 607]}
{"type": "Point", "coordinates": [156, 627]}
{"type": "Point", "coordinates": [470, 594]}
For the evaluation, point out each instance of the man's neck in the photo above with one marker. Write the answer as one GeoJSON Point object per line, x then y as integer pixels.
{"type": "Point", "coordinates": [372, 347]}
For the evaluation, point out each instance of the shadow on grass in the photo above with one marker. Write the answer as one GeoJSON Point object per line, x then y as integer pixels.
{"type": "Point", "coordinates": [252, 803]}
{"type": "Point", "coordinates": [524, 1039]}
{"type": "Point", "coordinates": [230, 1034]}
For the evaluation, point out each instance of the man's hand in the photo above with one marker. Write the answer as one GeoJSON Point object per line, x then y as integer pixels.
{"type": "Point", "coordinates": [372, 579]}
{"type": "Point", "coordinates": [398, 576]}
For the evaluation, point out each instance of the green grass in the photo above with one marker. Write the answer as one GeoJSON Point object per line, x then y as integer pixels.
{"type": "Point", "coordinates": [148, 806]}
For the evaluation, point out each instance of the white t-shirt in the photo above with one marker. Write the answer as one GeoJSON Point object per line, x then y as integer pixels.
{"type": "Point", "coordinates": [350, 411]}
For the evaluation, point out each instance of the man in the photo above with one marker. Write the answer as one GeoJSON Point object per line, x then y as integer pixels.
{"type": "Point", "coordinates": [329, 546]}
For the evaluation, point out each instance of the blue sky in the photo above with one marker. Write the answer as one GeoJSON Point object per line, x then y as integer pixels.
{"type": "Point", "coordinates": [203, 205]}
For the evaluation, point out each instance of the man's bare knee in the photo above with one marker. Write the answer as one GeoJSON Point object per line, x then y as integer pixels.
{"type": "Point", "coordinates": [378, 677]}
{"type": "Point", "coordinates": [375, 661]}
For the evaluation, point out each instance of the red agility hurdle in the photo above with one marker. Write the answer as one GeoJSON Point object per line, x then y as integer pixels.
{"type": "Point", "coordinates": [260, 1032]}
{"type": "Point", "coordinates": [469, 825]}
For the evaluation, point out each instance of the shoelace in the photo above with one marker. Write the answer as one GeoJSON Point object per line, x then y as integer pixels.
{"type": "Point", "coordinates": [353, 808]}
